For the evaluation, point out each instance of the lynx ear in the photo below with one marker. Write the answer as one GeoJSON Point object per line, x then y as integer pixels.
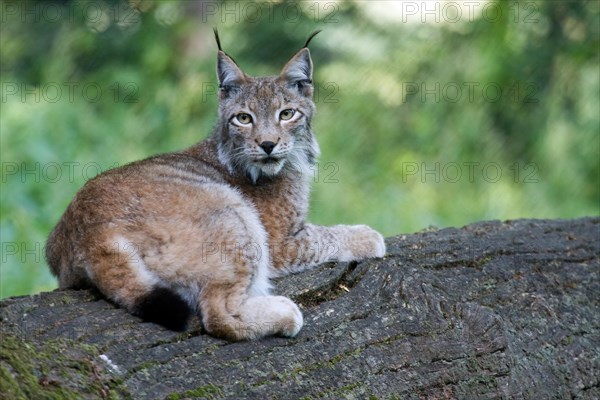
{"type": "Point", "coordinates": [228, 73]}
{"type": "Point", "coordinates": [298, 72]}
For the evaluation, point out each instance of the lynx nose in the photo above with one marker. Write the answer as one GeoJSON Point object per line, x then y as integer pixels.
{"type": "Point", "coordinates": [267, 146]}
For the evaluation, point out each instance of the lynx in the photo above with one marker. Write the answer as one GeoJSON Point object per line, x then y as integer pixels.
{"type": "Point", "coordinates": [201, 231]}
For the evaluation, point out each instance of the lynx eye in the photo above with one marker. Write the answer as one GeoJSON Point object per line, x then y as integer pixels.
{"type": "Point", "coordinates": [244, 118]}
{"type": "Point", "coordinates": [286, 114]}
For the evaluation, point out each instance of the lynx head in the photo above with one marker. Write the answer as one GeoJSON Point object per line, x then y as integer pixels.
{"type": "Point", "coordinates": [264, 123]}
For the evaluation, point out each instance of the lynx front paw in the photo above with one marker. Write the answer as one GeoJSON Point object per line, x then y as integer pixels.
{"type": "Point", "coordinates": [362, 242]}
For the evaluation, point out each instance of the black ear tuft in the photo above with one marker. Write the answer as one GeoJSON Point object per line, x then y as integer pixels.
{"type": "Point", "coordinates": [164, 307]}
{"type": "Point", "coordinates": [312, 35]}
{"type": "Point", "coordinates": [217, 38]}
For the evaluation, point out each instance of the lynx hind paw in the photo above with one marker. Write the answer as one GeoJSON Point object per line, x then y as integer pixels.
{"type": "Point", "coordinates": [366, 242]}
{"type": "Point", "coordinates": [293, 321]}
{"type": "Point", "coordinates": [280, 315]}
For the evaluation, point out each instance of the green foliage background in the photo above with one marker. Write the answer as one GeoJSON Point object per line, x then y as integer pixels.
{"type": "Point", "coordinates": [493, 115]}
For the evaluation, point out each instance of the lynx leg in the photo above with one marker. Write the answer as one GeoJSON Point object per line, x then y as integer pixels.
{"type": "Point", "coordinates": [316, 244]}
{"type": "Point", "coordinates": [119, 273]}
{"type": "Point", "coordinates": [239, 307]}
{"type": "Point", "coordinates": [236, 303]}
{"type": "Point", "coordinates": [236, 316]}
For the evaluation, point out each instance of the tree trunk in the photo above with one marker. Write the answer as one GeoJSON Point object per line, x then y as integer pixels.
{"type": "Point", "coordinates": [491, 310]}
